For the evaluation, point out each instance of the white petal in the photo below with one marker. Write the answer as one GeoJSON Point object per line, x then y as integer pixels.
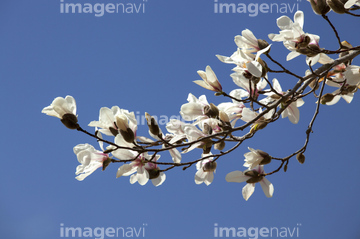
{"type": "Point", "coordinates": [254, 68]}
{"type": "Point", "coordinates": [125, 170]}
{"type": "Point", "coordinates": [159, 180]}
{"type": "Point", "coordinates": [267, 187]}
{"type": "Point", "coordinates": [236, 177]}
{"type": "Point", "coordinates": [292, 55]}
{"type": "Point", "coordinates": [248, 190]}
{"type": "Point", "coordinates": [299, 18]}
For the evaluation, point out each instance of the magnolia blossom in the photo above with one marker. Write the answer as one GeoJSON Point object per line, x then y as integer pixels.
{"type": "Point", "coordinates": [195, 108]}
{"type": "Point", "coordinates": [247, 41]}
{"type": "Point", "coordinates": [251, 177]}
{"type": "Point", "coordinates": [192, 134]}
{"type": "Point", "coordinates": [295, 40]}
{"type": "Point", "coordinates": [291, 110]}
{"type": "Point", "coordinates": [205, 170]}
{"type": "Point", "coordinates": [255, 158]}
{"type": "Point", "coordinates": [107, 120]}
{"type": "Point", "coordinates": [234, 109]}
{"type": "Point", "coordinates": [251, 88]}
{"type": "Point", "coordinates": [209, 81]}
{"type": "Point", "coordinates": [89, 158]}
{"type": "Point", "coordinates": [64, 109]}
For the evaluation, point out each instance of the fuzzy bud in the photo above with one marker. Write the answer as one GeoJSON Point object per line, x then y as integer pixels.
{"type": "Point", "coordinates": [220, 145]}
{"type": "Point", "coordinates": [255, 176]}
{"type": "Point", "coordinates": [152, 124]}
{"type": "Point", "coordinates": [337, 5]}
{"type": "Point", "coordinates": [125, 131]}
{"type": "Point", "coordinates": [106, 163]}
{"type": "Point", "coordinates": [326, 98]}
{"type": "Point", "coordinates": [153, 173]}
{"type": "Point", "coordinates": [211, 111]}
{"type": "Point", "coordinates": [319, 6]}
{"type": "Point", "coordinates": [263, 44]}
{"type": "Point", "coordinates": [70, 121]}
{"type": "Point", "coordinates": [300, 157]}
{"type": "Point", "coordinates": [209, 166]}
{"type": "Point", "coordinates": [266, 157]}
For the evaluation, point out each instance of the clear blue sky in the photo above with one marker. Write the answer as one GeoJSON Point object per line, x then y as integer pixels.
{"type": "Point", "coordinates": [146, 62]}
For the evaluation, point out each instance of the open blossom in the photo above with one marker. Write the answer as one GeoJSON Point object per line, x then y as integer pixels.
{"type": "Point", "coordinates": [209, 81]}
{"type": "Point", "coordinates": [194, 109]}
{"type": "Point", "coordinates": [251, 177]}
{"type": "Point", "coordinates": [89, 158]}
{"type": "Point", "coordinates": [65, 110]}
{"type": "Point", "coordinates": [251, 88]}
{"type": "Point", "coordinates": [247, 41]}
{"type": "Point", "coordinates": [205, 170]}
{"type": "Point", "coordinates": [291, 111]}
{"type": "Point", "coordinates": [351, 3]}
{"type": "Point", "coordinates": [234, 109]}
{"type": "Point", "coordinates": [255, 158]}
{"type": "Point", "coordinates": [107, 120]}
{"type": "Point", "coordinates": [299, 42]}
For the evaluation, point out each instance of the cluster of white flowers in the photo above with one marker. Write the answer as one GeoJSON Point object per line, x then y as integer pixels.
{"type": "Point", "coordinates": [207, 126]}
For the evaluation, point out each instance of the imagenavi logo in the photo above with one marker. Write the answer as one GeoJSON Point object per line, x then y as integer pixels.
{"type": "Point", "coordinates": [99, 9]}
{"type": "Point", "coordinates": [253, 9]}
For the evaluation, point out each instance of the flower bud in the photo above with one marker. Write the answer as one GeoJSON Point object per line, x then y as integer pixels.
{"type": "Point", "coordinates": [207, 129]}
{"type": "Point", "coordinates": [326, 98]}
{"type": "Point", "coordinates": [319, 6]}
{"type": "Point", "coordinates": [337, 5]}
{"type": "Point", "coordinates": [300, 157]}
{"type": "Point", "coordinates": [153, 173]}
{"type": "Point", "coordinates": [152, 124]}
{"type": "Point", "coordinates": [220, 145]}
{"type": "Point", "coordinates": [106, 163]}
{"type": "Point", "coordinates": [255, 176]}
{"type": "Point", "coordinates": [209, 166]}
{"type": "Point", "coordinates": [125, 131]}
{"type": "Point", "coordinates": [211, 111]}
{"type": "Point", "coordinates": [263, 44]}
{"type": "Point", "coordinates": [314, 84]}
{"type": "Point", "coordinates": [266, 157]}
{"type": "Point", "coordinates": [70, 121]}
{"type": "Point", "coordinates": [224, 117]}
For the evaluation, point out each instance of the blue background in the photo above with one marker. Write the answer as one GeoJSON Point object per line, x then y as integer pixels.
{"type": "Point", "coordinates": [146, 62]}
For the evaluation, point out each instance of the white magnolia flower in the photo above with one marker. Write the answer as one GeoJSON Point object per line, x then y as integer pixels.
{"type": "Point", "coordinates": [194, 110]}
{"type": "Point", "coordinates": [89, 158]}
{"type": "Point", "coordinates": [209, 81]}
{"type": "Point", "coordinates": [249, 86]}
{"type": "Point", "coordinates": [205, 170]}
{"type": "Point", "coordinates": [297, 41]}
{"type": "Point", "coordinates": [192, 134]}
{"type": "Point", "coordinates": [64, 109]}
{"type": "Point", "coordinates": [291, 110]}
{"type": "Point", "coordinates": [61, 106]}
{"type": "Point", "coordinates": [352, 75]}
{"type": "Point", "coordinates": [255, 158]}
{"type": "Point", "coordinates": [107, 120]}
{"type": "Point", "coordinates": [247, 41]}
{"type": "Point", "coordinates": [234, 109]}
{"type": "Point", "coordinates": [251, 177]}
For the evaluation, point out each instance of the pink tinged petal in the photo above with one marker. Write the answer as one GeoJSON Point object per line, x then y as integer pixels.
{"type": "Point", "coordinates": [126, 170]}
{"type": "Point", "coordinates": [236, 177]}
{"type": "Point", "coordinates": [267, 187]}
{"type": "Point", "coordinates": [211, 79]}
{"type": "Point", "coordinates": [248, 190]}
{"type": "Point", "coordinates": [159, 180]}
